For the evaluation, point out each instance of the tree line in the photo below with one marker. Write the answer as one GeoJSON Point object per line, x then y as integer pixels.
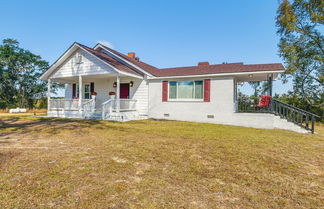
{"type": "Point", "coordinates": [20, 70]}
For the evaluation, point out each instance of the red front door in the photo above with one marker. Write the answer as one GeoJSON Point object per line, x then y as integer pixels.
{"type": "Point", "coordinates": [124, 90]}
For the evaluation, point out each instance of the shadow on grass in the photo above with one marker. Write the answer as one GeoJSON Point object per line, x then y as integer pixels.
{"type": "Point", "coordinates": [54, 126]}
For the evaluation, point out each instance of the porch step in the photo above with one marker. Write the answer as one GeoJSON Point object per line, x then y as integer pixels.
{"type": "Point", "coordinates": [282, 123]}
{"type": "Point", "coordinates": [95, 116]}
{"type": "Point", "coordinates": [126, 116]}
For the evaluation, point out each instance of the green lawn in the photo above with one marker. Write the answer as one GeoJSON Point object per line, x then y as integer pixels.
{"type": "Point", "coordinates": [62, 163]}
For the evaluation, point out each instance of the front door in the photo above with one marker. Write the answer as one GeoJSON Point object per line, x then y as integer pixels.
{"type": "Point", "coordinates": [124, 90]}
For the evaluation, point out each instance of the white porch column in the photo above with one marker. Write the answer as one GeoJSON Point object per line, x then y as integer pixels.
{"type": "Point", "coordinates": [80, 93]}
{"type": "Point", "coordinates": [118, 93]}
{"type": "Point", "coordinates": [270, 80]}
{"type": "Point", "coordinates": [48, 94]}
{"type": "Point", "coordinates": [235, 96]}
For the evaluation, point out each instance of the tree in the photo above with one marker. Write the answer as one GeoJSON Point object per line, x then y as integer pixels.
{"type": "Point", "coordinates": [301, 47]}
{"type": "Point", "coordinates": [257, 90]}
{"type": "Point", "coordinates": [19, 76]}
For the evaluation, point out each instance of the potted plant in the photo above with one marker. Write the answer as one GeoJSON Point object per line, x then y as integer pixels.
{"type": "Point", "coordinates": [112, 94]}
{"type": "Point", "coordinates": [93, 95]}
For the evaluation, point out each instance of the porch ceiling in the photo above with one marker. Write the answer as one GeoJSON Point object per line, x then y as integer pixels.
{"type": "Point", "coordinates": [87, 78]}
{"type": "Point", "coordinates": [255, 77]}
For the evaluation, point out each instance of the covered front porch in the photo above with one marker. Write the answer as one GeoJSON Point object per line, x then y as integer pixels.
{"type": "Point", "coordinates": [265, 109]}
{"type": "Point", "coordinates": [105, 96]}
{"type": "Point", "coordinates": [258, 103]}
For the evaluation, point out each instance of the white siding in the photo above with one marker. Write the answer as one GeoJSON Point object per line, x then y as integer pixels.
{"type": "Point", "coordinates": [90, 66]}
{"type": "Point", "coordinates": [139, 91]}
{"type": "Point", "coordinates": [141, 95]}
{"type": "Point", "coordinates": [220, 106]}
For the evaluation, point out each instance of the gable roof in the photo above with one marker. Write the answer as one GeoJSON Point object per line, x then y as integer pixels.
{"type": "Point", "coordinates": [144, 66]}
{"type": "Point", "coordinates": [110, 60]}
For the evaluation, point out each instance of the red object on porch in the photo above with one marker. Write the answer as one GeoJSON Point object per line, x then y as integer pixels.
{"type": "Point", "coordinates": [207, 90]}
{"type": "Point", "coordinates": [165, 91]}
{"type": "Point", "coordinates": [264, 101]}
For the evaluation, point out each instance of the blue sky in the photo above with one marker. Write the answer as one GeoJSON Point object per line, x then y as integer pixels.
{"type": "Point", "coordinates": [163, 33]}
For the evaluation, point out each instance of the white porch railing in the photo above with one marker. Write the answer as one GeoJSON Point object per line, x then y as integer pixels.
{"type": "Point", "coordinates": [111, 106]}
{"type": "Point", "coordinates": [88, 107]}
{"type": "Point", "coordinates": [66, 104]}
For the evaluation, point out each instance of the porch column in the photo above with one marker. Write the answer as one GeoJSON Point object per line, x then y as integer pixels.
{"type": "Point", "coordinates": [235, 96]}
{"type": "Point", "coordinates": [80, 93]}
{"type": "Point", "coordinates": [118, 93]}
{"type": "Point", "coordinates": [270, 84]}
{"type": "Point", "coordinates": [48, 95]}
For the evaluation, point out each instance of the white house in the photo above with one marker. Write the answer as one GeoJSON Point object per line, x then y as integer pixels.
{"type": "Point", "coordinates": [202, 93]}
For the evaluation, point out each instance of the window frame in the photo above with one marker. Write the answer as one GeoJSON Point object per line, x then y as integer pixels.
{"type": "Point", "coordinates": [84, 91]}
{"type": "Point", "coordinates": [194, 93]}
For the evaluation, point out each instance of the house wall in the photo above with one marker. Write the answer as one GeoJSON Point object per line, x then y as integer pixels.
{"type": "Point", "coordinates": [218, 110]}
{"type": "Point", "coordinates": [90, 66]}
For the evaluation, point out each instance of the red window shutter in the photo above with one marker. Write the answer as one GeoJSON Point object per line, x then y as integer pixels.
{"type": "Point", "coordinates": [91, 87]}
{"type": "Point", "coordinates": [207, 90]}
{"type": "Point", "coordinates": [164, 91]}
{"type": "Point", "coordinates": [73, 90]}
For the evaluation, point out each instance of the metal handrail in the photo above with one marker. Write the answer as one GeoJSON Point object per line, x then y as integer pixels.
{"type": "Point", "coordinates": [296, 108]}
{"type": "Point", "coordinates": [293, 114]}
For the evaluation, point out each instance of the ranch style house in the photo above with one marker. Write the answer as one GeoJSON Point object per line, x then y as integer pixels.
{"type": "Point", "coordinates": [102, 83]}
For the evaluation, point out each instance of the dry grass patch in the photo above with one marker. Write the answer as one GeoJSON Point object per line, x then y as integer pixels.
{"type": "Point", "coordinates": [62, 163]}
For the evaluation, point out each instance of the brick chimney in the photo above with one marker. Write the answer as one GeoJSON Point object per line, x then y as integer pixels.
{"type": "Point", "coordinates": [131, 55]}
{"type": "Point", "coordinates": [203, 63]}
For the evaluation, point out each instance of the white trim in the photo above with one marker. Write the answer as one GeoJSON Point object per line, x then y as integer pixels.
{"type": "Point", "coordinates": [216, 75]}
{"type": "Point", "coordinates": [186, 100]}
{"type": "Point", "coordinates": [120, 57]}
{"type": "Point", "coordinates": [48, 94]}
{"type": "Point", "coordinates": [84, 92]}
{"type": "Point", "coordinates": [80, 93]}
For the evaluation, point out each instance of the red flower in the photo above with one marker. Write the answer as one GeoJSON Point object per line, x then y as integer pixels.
{"type": "Point", "coordinates": [93, 93]}
{"type": "Point", "coordinates": [112, 93]}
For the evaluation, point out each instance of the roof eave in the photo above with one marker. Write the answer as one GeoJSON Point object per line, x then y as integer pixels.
{"type": "Point", "coordinates": [216, 74]}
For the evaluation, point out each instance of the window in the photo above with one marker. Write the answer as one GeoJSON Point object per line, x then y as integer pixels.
{"type": "Point", "coordinates": [186, 90]}
{"type": "Point", "coordinates": [86, 91]}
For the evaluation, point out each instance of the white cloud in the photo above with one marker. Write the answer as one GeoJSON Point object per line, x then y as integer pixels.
{"type": "Point", "coordinates": [106, 43]}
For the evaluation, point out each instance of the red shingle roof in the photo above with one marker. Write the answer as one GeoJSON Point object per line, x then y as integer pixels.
{"type": "Point", "coordinates": [148, 68]}
{"type": "Point", "coordinates": [217, 69]}
{"type": "Point", "coordinates": [201, 69]}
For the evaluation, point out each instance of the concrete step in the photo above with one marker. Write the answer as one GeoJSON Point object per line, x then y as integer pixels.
{"type": "Point", "coordinates": [283, 123]}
